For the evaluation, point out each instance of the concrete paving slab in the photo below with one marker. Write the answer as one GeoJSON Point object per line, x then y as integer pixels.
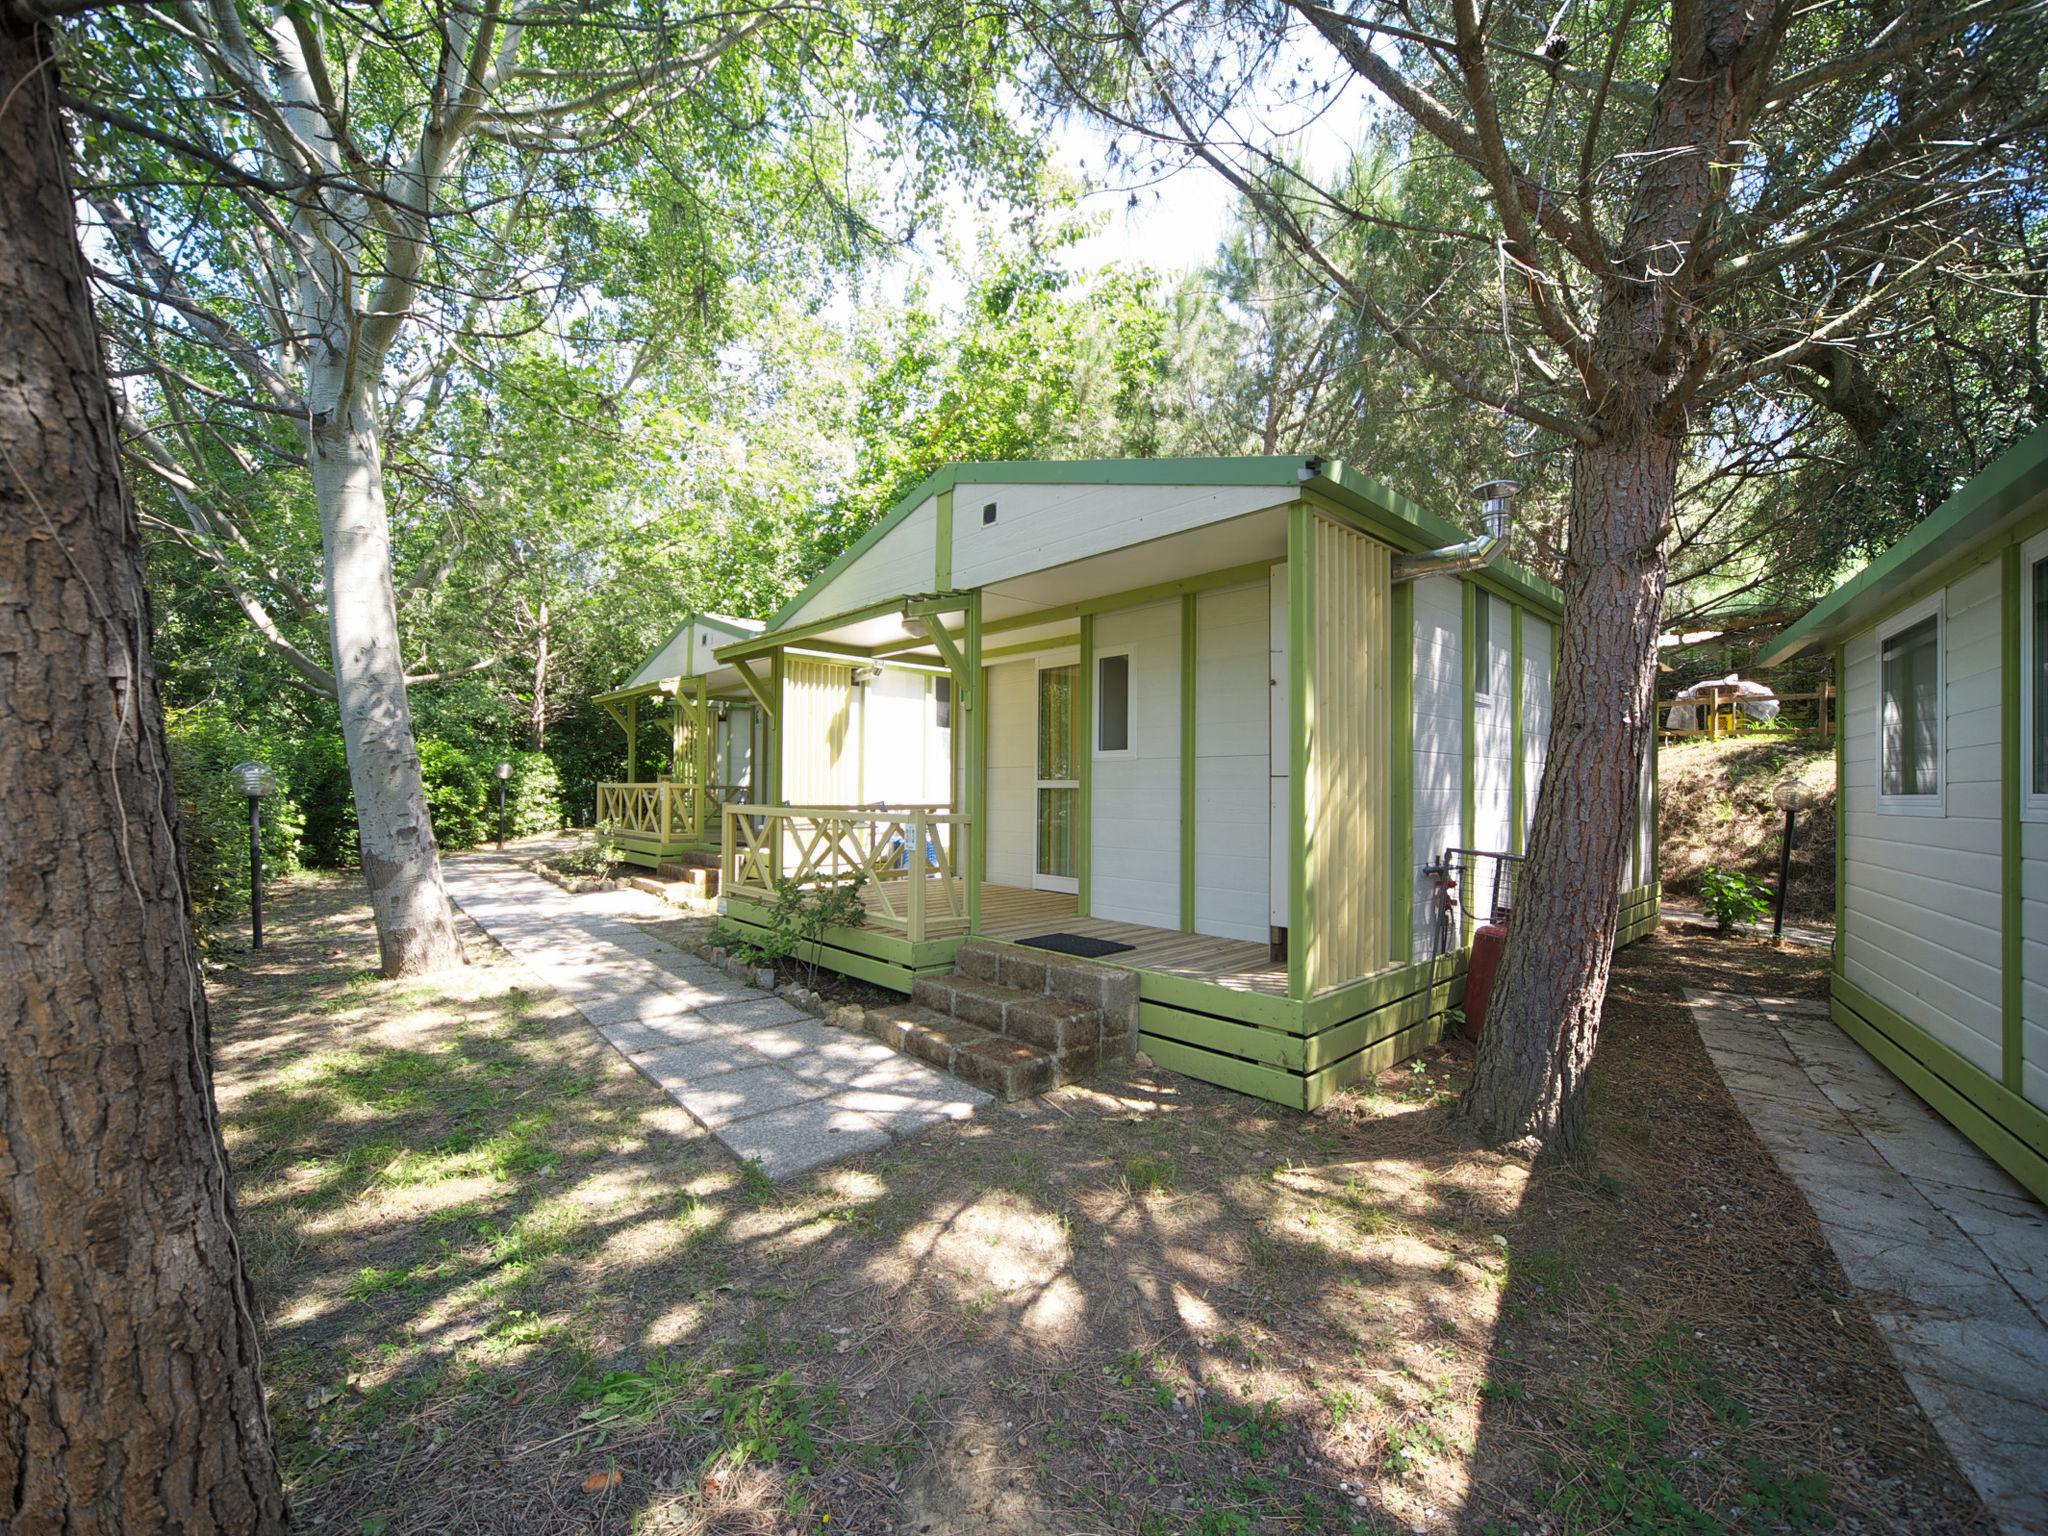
{"type": "Point", "coordinates": [764, 1077]}
{"type": "Point", "coordinates": [805, 1136]}
{"type": "Point", "coordinates": [1948, 1254]}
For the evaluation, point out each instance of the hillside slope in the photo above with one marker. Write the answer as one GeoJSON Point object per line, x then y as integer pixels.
{"type": "Point", "coordinates": [1714, 800]}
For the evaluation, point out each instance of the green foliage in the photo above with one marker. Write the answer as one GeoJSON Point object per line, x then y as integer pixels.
{"type": "Point", "coordinates": [596, 855]}
{"type": "Point", "coordinates": [204, 746]}
{"type": "Point", "coordinates": [797, 916]}
{"type": "Point", "coordinates": [1730, 897]}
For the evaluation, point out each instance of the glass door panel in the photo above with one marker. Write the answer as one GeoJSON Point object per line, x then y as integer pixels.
{"type": "Point", "coordinates": [1058, 784]}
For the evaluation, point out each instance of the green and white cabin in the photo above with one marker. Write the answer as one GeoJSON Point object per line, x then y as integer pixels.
{"type": "Point", "coordinates": [1183, 706]}
{"type": "Point", "coordinates": [1941, 876]}
{"type": "Point", "coordinates": [715, 737]}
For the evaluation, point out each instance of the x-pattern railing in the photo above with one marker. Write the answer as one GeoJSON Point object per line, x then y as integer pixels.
{"type": "Point", "coordinates": [665, 811]}
{"type": "Point", "coordinates": [903, 857]}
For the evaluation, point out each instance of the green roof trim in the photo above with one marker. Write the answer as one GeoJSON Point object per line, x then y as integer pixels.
{"type": "Point", "coordinates": [1402, 522]}
{"type": "Point", "coordinates": [739, 629]}
{"type": "Point", "coordinates": [1949, 537]}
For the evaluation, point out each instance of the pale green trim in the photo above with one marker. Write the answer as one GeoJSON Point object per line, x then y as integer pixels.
{"type": "Point", "coordinates": [1231, 576]}
{"type": "Point", "coordinates": [1187, 762]}
{"type": "Point", "coordinates": [1300, 912]}
{"type": "Point", "coordinates": [1937, 550]}
{"type": "Point", "coordinates": [1032, 648]}
{"type": "Point", "coordinates": [1468, 790]}
{"type": "Point", "coordinates": [942, 565]}
{"type": "Point", "coordinates": [2012, 866]}
{"type": "Point", "coordinates": [1518, 778]}
{"type": "Point", "coordinates": [1401, 785]}
{"type": "Point", "coordinates": [973, 779]}
{"type": "Point", "coordinates": [632, 740]}
{"type": "Point", "coordinates": [1841, 812]}
{"type": "Point", "coordinates": [1084, 771]}
{"type": "Point", "coordinates": [758, 688]}
{"type": "Point", "coordinates": [776, 639]}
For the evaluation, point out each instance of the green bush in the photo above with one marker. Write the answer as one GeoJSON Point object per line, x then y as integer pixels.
{"type": "Point", "coordinates": [319, 773]}
{"type": "Point", "coordinates": [534, 802]}
{"type": "Point", "coordinates": [1729, 897]}
{"type": "Point", "coordinates": [205, 746]}
{"type": "Point", "coordinates": [459, 794]}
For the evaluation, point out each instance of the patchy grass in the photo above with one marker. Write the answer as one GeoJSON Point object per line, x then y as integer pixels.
{"type": "Point", "coordinates": [1714, 804]}
{"type": "Point", "coordinates": [509, 1287]}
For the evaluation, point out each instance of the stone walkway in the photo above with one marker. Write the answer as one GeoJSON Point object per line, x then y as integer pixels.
{"type": "Point", "coordinates": [1950, 1255]}
{"type": "Point", "coordinates": [764, 1077]}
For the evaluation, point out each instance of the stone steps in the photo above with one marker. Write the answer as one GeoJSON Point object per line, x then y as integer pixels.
{"type": "Point", "coordinates": [1012, 1021]}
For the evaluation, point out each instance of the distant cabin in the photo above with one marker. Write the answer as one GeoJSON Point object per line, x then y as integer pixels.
{"type": "Point", "coordinates": [1941, 880]}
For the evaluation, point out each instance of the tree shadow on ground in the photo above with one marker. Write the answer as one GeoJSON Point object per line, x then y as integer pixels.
{"type": "Point", "coordinates": [509, 1286]}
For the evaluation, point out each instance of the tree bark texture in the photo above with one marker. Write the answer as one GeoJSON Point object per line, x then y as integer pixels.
{"type": "Point", "coordinates": [1529, 1086]}
{"type": "Point", "coordinates": [130, 1399]}
{"type": "Point", "coordinates": [401, 863]}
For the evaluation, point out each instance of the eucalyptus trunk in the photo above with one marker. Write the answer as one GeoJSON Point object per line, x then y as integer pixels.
{"type": "Point", "coordinates": [128, 1339]}
{"type": "Point", "coordinates": [401, 863]}
{"type": "Point", "coordinates": [1536, 1052]}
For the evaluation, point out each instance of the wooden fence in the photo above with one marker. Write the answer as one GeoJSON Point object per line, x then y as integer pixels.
{"type": "Point", "coordinates": [903, 856]}
{"type": "Point", "coordinates": [1718, 715]}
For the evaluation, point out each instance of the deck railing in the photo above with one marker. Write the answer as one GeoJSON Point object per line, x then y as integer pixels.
{"type": "Point", "coordinates": [663, 811]}
{"type": "Point", "coordinates": [1721, 709]}
{"type": "Point", "coordinates": [903, 856]}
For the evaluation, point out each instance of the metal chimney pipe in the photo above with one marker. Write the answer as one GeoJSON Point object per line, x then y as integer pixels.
{"type": "Point", "coordinates": [1476, 553]}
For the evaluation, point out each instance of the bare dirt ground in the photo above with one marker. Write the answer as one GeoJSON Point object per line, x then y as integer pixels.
{"type": "Point", "coordinates": [509, 1287]}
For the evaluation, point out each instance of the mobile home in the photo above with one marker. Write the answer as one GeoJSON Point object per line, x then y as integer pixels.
{"type": "Point", "coordinates": [1941, 878]}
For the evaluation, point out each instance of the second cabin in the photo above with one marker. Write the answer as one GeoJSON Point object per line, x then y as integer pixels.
{"type": "Point", "coordinates": [1213, 721]}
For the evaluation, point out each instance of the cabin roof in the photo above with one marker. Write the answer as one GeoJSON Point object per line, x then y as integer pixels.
{"type": "Point", "coordinates": [1404, 523]}
{"type": "Point", "coordinates": [1987, 509]}
{"type": "Point", "coordinates": [670, 659]}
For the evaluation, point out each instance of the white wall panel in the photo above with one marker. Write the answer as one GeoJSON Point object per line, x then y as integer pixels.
{"type": "Point", "coordinates": [1439, 729]}
{"type": "Point", "coordinates": [1041, 525]}
{"type": "Point", "coordinates": [1134, 841]}
{"type": "Point", "coordinates": [1012, 705]}
{"type": "Point", "coordinates": [903, 560]}
{"type": "Point", "coordinates": [1233, 763]}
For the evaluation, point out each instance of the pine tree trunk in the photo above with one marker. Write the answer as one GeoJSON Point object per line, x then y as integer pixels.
{"type": "Point", "coordinates": [1529, 1087]}
{"type": "Point", "coordinates": [401, 863]}
{"type": "Point", "coordinates": [128, 1341]}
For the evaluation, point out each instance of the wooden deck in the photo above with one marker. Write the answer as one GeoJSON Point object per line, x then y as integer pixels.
{"type": "Point", "coordinates": [1013, 914]}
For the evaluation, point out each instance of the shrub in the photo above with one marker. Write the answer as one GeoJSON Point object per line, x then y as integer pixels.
{"type": "Point", "coordinates": [459, 794]}
{"type": "Point", "coordinates": [599, 856]}
{"type": "Point", "coordinates": [319, 774]}
{"type": "Point", "coordinates": [204, 746]}
{"type": "Point", "coordinates": [534, 800]}
{"type": "Point", "coordinates": [796, 917]}
{"type": "Point", "coordinates": [1729, 897]}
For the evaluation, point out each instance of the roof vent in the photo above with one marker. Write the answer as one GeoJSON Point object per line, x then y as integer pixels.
{"type": "Point", "coordinates": [1470, 554]}
{"type": "Point", "coordinates": [988, 513]}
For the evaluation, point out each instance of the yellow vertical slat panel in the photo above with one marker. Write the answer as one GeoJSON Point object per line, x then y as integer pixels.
{"type": "Point", "coordinates": [1350, 688]}
{"type": "Point", "coordinates": [820, 745]}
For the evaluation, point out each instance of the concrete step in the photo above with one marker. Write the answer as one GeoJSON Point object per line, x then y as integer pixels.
{"type": "Point", "coordinates": [1037, 1018]}
{"type": "Point", "coordinates": [1110, 989]}
{"type": "Point", "coordinates": [1009, 1069]}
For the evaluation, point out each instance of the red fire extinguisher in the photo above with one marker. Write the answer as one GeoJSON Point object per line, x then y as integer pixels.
{"type": "Point", "coordinates": [1489, 944]}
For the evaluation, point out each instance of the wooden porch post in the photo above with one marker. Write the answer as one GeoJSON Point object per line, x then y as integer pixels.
{"type": "Point", "coordinates": [914, 872]}
{"type": "Point", "coordinates": [632, 737]}
{"type": "Point", "coordinates": [700, 799]}
{"type": "Point", "coordinates": [970, 744]}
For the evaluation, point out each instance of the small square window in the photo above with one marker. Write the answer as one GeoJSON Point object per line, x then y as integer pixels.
{"type": "Point", "coordinates": [942, 703]}
{"type": "Point", "coordinates": [1113, 703]}
{"type": "Point", "coordinates": [1909, 709]}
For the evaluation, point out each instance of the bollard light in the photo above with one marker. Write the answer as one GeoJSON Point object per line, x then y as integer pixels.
{"type": "Point", "coordinates": [504, 772]}
{"type": "Point", "coordinates": [255, 780]}
{"type": "Point", "coordinates": [1791, 797]}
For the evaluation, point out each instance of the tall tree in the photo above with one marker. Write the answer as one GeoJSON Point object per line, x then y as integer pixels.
{"type": "Point", "coordinates": [1665, 205]}
{"type": "Point", "coordinates": [324, 220]}
{"type": "Point", "coordinates": [128, 1340]}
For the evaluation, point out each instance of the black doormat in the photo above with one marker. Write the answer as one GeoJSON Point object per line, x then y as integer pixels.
{"type": "Point", "coordinates": [1074, 944]}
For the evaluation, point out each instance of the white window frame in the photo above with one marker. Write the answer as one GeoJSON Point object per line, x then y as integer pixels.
{"type": "Point", "coordinates": [1934, 803]}
{"type": "Point", "coordinates": [2033, 807]}
{"type": "Point", "coordinates": [1095, 747]}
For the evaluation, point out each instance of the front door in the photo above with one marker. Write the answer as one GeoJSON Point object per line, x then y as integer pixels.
{"type": "Point", "coordinates": [1058, 778]}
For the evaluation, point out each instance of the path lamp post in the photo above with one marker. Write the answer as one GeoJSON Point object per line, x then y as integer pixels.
{"type": "Point", "coordinates": [255, 780]}
{"type": "Point", "coordinates": [504, 771]}
{"type": "Point", "coordinates": [1791, 797]}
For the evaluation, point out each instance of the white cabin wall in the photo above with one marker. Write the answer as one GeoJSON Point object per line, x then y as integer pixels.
{"type": "Point", "coordinates": [1233, 762]}
{"type": "Point", "coordinates": [1536, 646]}
{"type": "Point", "coordinates": [1279, 887]}
{"type": "Point", "coordinates": [905, 559]}
{"type": "Point", "coordinates": [1439, 732]}
{"type": "Point", "coordinates": [1493, 731]}
{"type": "Point", "coordinates": [1922, 894]}
{"type": "Point", "coordinates": [1012, 703]}
{"type": "Point", "coordinates": [2034, 962]}
{"type": "Point", "coordinates": [897, 741]}
{"type": "Point", "coordinates": [1134, 830]}
{"type": "Point", "coordinates": [1080, 520]}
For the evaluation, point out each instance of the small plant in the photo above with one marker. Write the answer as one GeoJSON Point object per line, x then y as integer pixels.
{"type": "Point", "coordinates": [598, 857]}
{"type": "Point", "coordinates": [798, 916]}
{"type": "Point", "coordinates": [1730, 897]}
{"type": "Point", "coordinates": [1149, 1173]}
